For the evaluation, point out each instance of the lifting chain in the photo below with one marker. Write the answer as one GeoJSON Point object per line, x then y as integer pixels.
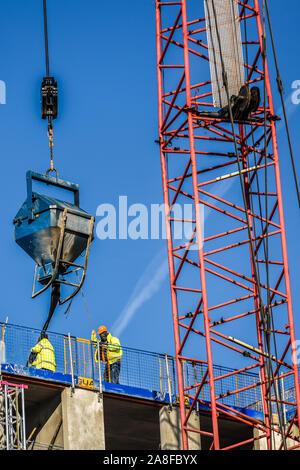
{"type": "Point", "coordinates": [51, 144]}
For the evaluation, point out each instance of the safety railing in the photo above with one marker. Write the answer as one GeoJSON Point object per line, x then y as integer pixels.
{"type": "Point", "coordinates": [139, 369]}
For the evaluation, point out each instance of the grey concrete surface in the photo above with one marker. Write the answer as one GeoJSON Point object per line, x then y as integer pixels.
{"type": "Point", "coordinates": [83, 420]}
{"type": "Point", "coordinates": [170, 433]}
{"type": "Point", "coordinates": [50, 435]}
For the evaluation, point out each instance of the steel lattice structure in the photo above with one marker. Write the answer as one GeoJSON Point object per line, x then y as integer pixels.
{"type": "Point", "coordinates": [230, 284]}
{"type": "Point", "coordinates": [12, 417]}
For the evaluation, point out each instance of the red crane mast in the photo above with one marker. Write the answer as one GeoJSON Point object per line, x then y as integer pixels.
{"type": "Point", "coordinates": [230, 284]}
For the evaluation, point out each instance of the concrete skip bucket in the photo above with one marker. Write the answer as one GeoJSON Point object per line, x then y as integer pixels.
{"type": "Point", "coordinates": [54, 233]}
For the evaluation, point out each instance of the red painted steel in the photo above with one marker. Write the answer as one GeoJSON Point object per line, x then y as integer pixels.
{"type": "Point", "coordinates": [213, 274]}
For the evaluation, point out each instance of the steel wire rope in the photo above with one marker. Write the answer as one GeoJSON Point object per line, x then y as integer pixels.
{"type": "Point", "coordinates": [46, 38]}
{"type": "Point", "coordinates": [270, 319]}
{"type": "Point", "coordinates": [256, 273]}
{"type": "Point", "coordinates": [256, 175]}
{"type": "Point", "coordinates": [265, 253]}
{"type": "Point", "coordinates": [85, 304]}
{"type": "Point", "coordinates": [281, 92]}
{"type": "Point", "coordinates": [264, 248]}
{"type": "Point", "coordinates": [265, 242]}
{"type": "Point", "coordinates": [50, 124]}
{"type": "Point", "coordinates": [270, 312]}
{"type": "Point", "coordinates": [87, 310]}
{"type": "Point", "coordinates": [259, 200]}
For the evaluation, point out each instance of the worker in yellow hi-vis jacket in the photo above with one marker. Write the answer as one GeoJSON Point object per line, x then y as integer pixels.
{"type": "Point", "coordinates": [110, 352]}
{"type": "Point", "coordinates": [43, 354]}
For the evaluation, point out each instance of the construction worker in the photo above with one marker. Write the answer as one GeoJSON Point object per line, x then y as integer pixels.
{"type": "Point", "coordinates": [42, 354]}
{"type": "Point", "coordinates": [110, 352]}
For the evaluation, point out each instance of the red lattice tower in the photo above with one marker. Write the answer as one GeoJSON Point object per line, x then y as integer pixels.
{"type": "Point", "coordinates": [235, 283]}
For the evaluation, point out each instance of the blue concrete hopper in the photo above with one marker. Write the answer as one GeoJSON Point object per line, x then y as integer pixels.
{"type": "Point", "coordinates": [52, 232]}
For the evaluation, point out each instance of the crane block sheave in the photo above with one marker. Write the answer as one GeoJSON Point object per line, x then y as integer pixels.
{"type": "Point", "coordinates": [229, 276]}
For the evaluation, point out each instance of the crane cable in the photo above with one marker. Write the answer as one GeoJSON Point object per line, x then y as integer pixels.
{"type": "Point", "coordinates": [269, 313]}
{"type": "Point", "coordinates": [87, 310]}
{"type": "Point", "coordinates": [46, 38]}
{"type": "Point", "coordinates": [267, 316]}
{"type": "Point", "coordinates": [264, 243]}
{"type": "Point", "coordinates": [256, 271]}
{"type": "Point", "coordinates": [256, 274]}
{"type": "Point", "coordinates": [265, 240]}
{"type": "Point", "coordinates": [281, 92]}
{"type": "Point", "coordinates": [50, 124]}
{"type": "Point", "coordinates": [85, 304]}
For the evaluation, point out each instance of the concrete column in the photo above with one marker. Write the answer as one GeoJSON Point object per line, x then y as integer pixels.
{"type": "Point", "coordinates": [83, 420]}
{"type": "Point", "coordinates": [51, 434]}
{"type": "Point", "coordinates": [170, 429]}
{"type": "Point", "coordinates": [261, 444]}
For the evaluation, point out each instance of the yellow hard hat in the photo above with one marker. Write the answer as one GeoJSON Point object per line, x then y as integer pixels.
{"type": "Point", "coordinates": [101, 329]}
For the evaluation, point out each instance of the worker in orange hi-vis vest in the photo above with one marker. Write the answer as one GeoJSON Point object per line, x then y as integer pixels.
{"type": "Point", "coordinates": [110, 353]}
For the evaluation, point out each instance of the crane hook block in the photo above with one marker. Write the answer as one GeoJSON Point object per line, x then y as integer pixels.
{"type": "Point", "coordinates": [49, 98]}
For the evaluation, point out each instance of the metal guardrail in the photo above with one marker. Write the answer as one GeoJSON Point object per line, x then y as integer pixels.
{"type": "Point", "coordinates": [139, 369]}
{"type": "Point", "coordinates": [75, 356]}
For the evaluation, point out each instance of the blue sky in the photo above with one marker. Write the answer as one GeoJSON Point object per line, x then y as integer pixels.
{"type": "Point", "coordinates": [103, 55]}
